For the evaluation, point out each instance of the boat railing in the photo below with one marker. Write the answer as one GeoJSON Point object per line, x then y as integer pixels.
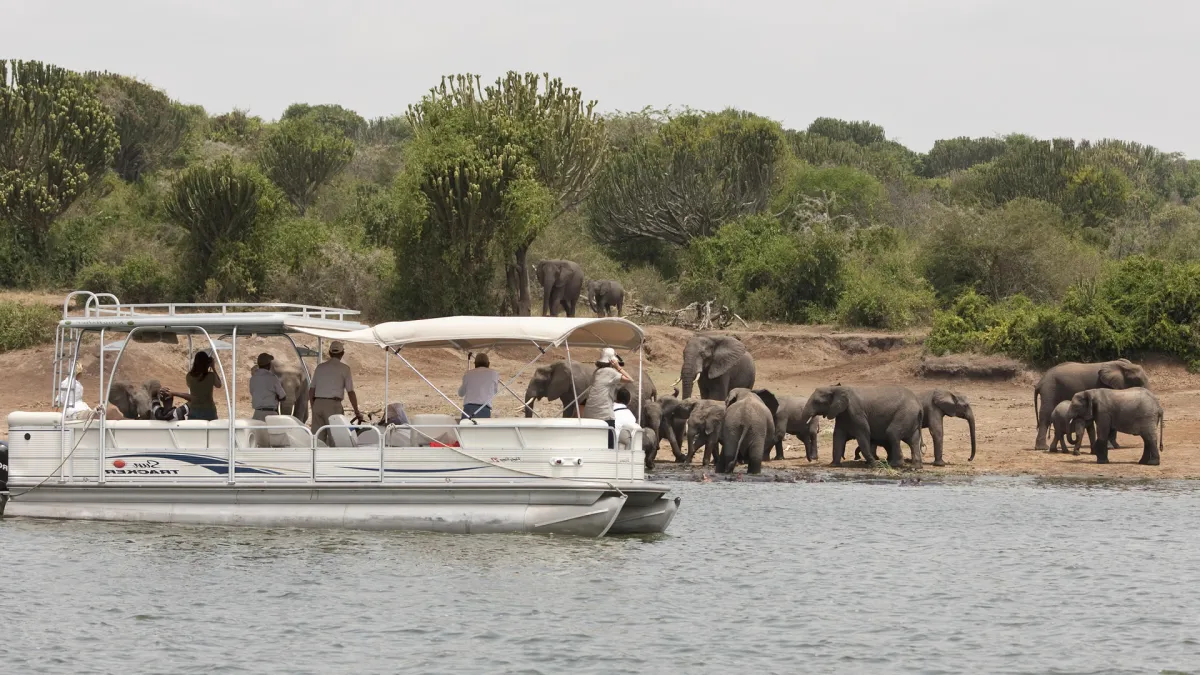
{"type": "Point", "coordinates": [281, 453]}
{"type": "Point", "coordinates": [107, 305]}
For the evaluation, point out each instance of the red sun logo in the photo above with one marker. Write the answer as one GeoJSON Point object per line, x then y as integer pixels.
{"type": "Point", "coordinates": [119, 463]}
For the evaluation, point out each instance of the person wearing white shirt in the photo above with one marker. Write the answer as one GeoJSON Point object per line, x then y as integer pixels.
{"type": "Point", "coordinates": [266, 391]}
{"type": "Point", "coordinates": [622, 415]}
{"type": "Point", "coordinates": [478, 388]}
{"type": "Point", "coordinates": [70, 392]}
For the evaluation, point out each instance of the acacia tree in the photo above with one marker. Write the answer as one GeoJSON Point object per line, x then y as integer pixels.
{"type": "Point", "coordinates": [554, 133]}
{"type": "Point", "coordinates": [225, 207]}
{"type": "Point", "coordinates": [696, 173]}
{"type": "Point", "coordinates": [150, 125]}
{"type": "Point", "coordinates": [300, 155]}
{"type": "Point", "coordinates": [56, 139]}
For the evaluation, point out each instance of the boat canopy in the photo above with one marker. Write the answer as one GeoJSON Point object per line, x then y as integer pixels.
{"type": "Point", "coordinates": [216, 323]}
{"type": "Point", "coordinates": [476, 333]}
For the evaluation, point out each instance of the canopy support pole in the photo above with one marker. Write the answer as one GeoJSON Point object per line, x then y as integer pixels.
{"type": "Point", "coordinates": [426, 380]}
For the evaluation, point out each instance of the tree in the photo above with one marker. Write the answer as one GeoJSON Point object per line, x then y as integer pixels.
{"type": "Point", "coordinates": [300, 155]}
{"type": "Point", "coordinates": [150, 125]}
{"type": "Point", "coordinates": [331, 116]}
{"type": "Point", "coordinates": [1097, 194]}
{"type": "Point", "coordinates": [545, 126]}
{"type": "Point", "coordinates": [859, 133]}
{"type": "Point", "coordinates": [56, 140]}
{"type": "Point", "coordinates": [958, 154]}
{"type": "Point", "coordinates": [697, 172]}
{"type": "Point", "coordinates": [225, 207]}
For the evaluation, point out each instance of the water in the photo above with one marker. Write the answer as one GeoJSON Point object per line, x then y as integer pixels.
{"type": "Point", "coordinates": [995, 576]}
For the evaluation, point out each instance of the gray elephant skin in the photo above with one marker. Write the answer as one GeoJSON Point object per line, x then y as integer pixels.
{"type": "Point", "coordinates": [133, 400]}
{"type": "Point", "coordinates": [748, 430]}
{"type": "Point", "coordinates": [704, 425]}
{"type": "Point", "coordinates": [722, 363]}
{"type": "Point", "coordinates": [561, 282]}
{"type": "Point", "coordinates": [605, 294]}
{"type": "Point", "coordinates": [1134, 411]}
{"type": "Point", "coordinates": [673, 425]}
{"type": "Point", "coordinates": [1066, 430]}
{"type": "Point", "coordinates": [872, 416]}
{"type": "Point", "coordinates": [553, 382]}
{"type": "Point", "coordinates": [649, 446]}
{"type": "Point", "coordinates": [789, 420]}
{"type": "Point", "coordinates": [936, 404]}
{"type": "Point", "coordinates": [651, 422]}
{"type": "Point", "coordinates": [1063, 381]}
{"type": "Point", "coordinates": [295, 385]}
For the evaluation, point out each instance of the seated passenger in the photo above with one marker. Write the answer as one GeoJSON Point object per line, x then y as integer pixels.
{"type": "Point", "coordinates": [622, 415]}
{"type": "Point", "coordinates": [163, 408]}
{"type": "Point", "coordinates": [395, 414]}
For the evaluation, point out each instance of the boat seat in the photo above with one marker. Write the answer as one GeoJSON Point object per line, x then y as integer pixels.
{"type": "Point", "coordinates": [293, 434]}
{"type": "Point", "coordinates": [435, 426]}
{"type": "Point", "coordinates": [342, 435]}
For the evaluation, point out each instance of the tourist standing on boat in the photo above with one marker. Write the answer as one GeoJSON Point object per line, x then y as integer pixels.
{"type": "Point", "coordinates": [70, 392]}
{"type": "Point", "coordinates": [609, 377]}
{"type": "Point", "coordinates": [266, 391]}
{"type": "Point", "coordinates": [201, 381]}
{"type": "Point", "coordinates": [479, 387]}
{"type": "Point", "coordinates": [331, 382]}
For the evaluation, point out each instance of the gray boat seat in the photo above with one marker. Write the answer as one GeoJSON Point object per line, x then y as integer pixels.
{"type": "Point", "coordinates": [288, 432]}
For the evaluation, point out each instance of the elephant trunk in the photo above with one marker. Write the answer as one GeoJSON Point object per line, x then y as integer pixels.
{"type": "Point", "coordinates": [530, 397]}
{"type": "Point", "coordinates": [687, 375]}
{"type": "Point", "coordinates": [808, 412]}
{"type": "Point", "coordinates": [971, 423]}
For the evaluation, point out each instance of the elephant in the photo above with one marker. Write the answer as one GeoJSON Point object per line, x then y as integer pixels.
{"type": "Point", "coordinates": [1066, 428]}
{"type": "Point", "coordinates": [1134, 411]}
{"type": "Point", "coordinates": [561, 281]}
{"type": "Point", "coordinates": [133, 401]}
{"type": "Point", "coordinates": [649, 446]}
{"type": "Point", "coordinates": [788, 421]}
{"type": "Point", "coordinates": [1063, 381]}
{"type": "Point", "coordinates": [554, 382]}
{"type": "Point", "coordinates": [295, 385]}
{"type": "Point", "coordinates": [883, 415]}
{"type": "Point", "coordinates": [604, 294]}
{"type": "Point", "coordinates": [673, 424]}
{"type": "Point", "coordinates": [748, 430]}
{"type": "Point", "coordinates": [704, 429]}
{"type": "Point", "coordinates": [935, 405]}
{"type": "Point", "coordinates": [722, 363]}
{"type": "Point", "coordinates": [651, 422]}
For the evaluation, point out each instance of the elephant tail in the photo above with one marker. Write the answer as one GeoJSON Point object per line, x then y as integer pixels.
{"type": "Point", "coordinates": [1036, 417]}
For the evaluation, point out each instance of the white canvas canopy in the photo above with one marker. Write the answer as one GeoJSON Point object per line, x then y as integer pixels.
{"type": "Point", "coordinates": [475, 333]}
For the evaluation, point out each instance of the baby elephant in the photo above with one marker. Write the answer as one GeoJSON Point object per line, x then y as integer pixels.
{"type": "Point", "coordinates": [1065, 428]}
{"type": "Point", "coordinates": [704, 429]}
{"type": "Point", "coordinates": [749, 429]}
{"type": "Point", "coordinates": [790, 420]}
{"type": "Point", "coordinates": [1133, 411]}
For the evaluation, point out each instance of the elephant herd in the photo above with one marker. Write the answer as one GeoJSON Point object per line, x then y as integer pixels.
{"type": "Point", "coordinates": [733, 422]}
{"type": "Point", "coordinates": [562, 281]}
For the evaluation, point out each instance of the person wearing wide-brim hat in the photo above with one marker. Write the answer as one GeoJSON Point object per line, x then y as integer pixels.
{"type": "Point", "coordinates": [331, 382]}
{"type": "Point", "coordinates": [266, 391]}
{"type": "Point", "coordinates": [609, 376]}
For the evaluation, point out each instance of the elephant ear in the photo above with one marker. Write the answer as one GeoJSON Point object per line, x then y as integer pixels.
{"type": "Point", "coordinates": [839, 403]}
{"type": "Point", "coordinates": [1112, 376]}
{"type": "Point", "coordinates": [769, 399]}
{"type": "Point", "coordinates": [944, 400]}
{"type": "Point", "coordinates": [153, 387]}
{"type": "Point", "coordinates": [733, 397]}
{"type": "Point", "coordinates": [725, 354]}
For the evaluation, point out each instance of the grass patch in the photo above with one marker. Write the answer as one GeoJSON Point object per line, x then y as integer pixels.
{"type": "Point", "coordinates": [23, 325]}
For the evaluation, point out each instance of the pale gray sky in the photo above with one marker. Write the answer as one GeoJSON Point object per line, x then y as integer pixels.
{"type": "Point", "coordinates": [924, 69]}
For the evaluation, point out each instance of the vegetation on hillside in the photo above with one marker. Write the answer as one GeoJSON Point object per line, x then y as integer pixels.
{"type": "Point", "coordinates": [1040, 249]}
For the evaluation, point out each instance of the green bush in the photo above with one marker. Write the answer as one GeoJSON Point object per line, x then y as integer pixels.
{"type": "Point", "coordinates": [23, 326]}
{"type": "Point", "coordinates": [140, 278]}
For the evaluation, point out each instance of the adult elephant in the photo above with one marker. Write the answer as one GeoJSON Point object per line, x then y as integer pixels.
{"type": "Point", "coordinates": [704, 429]}
{"type": "Point", "coordinates": [295, 385]}
{"type": "Point", "coordinates": [722, 363]}
{"type": "Point", "coordinates": [602, 295]}
{"type": "Point", "coordinates": [885, 416]}
{"type": "Point", "coordinates": [673, 425]}
{"type": "Point", "coordinates": [133, 400]}
{"type": "Point", "coordinates": [561, 281]}
{"type": "Point", "coordinates": [937, 404]}
{"type": "Point", "coordinates": [554, 382]}
{"type": "Point", "coordinates": [789, 419]}
{"type": "Point", "coordinates": [1134, 411]}
{"type": "Point", "coordinates": [1063, 381]}
{"type": "Point", "coordinates": [748, 430]}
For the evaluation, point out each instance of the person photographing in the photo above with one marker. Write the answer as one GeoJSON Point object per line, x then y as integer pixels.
{"type": "Point", "coordinates": [201, 380]}
{"type": "Point", "coordinates": [601, 396]}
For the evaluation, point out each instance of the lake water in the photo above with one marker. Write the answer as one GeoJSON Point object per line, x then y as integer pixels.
{"type": "Point", "coordinates": [989, 576]}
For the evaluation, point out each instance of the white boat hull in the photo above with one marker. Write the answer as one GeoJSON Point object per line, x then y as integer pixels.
{"type": "Point", "coordinates": [579, 510]}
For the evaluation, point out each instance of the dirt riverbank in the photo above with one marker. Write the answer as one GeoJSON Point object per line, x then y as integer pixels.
{"type": "Point", "coordinates": [790, 360]}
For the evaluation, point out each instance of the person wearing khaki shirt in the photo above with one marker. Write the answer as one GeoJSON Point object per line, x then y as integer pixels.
{"type": "Point", "coordinates": [331, 382]}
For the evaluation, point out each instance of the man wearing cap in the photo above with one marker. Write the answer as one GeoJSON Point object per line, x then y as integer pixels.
{"type": "Point", "coordinates": [601, 395]}
{"type": "Point", "coordinates": [479, 387]}
{"type": "Point", "coordinates": [266, 391]}
{"type": "Point", "coordinates": [331, 381]}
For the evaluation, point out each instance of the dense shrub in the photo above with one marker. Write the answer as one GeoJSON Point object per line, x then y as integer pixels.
{"type": "Point", "coordinates": [23, 325]}
{"type": "Point", "coordinates": [884, 288]}
{"type": "Point", "coordinates": [140, 278]}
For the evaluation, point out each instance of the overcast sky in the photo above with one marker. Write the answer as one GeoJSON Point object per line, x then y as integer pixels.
{"type": "Point", "coordinates": [924, 69]}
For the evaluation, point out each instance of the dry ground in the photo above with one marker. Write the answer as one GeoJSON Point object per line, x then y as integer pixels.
{"type": "Point", "coordinates": [790, 360]}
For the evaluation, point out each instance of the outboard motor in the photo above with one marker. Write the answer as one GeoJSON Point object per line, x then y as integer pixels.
{"type": "Point", "coordinates": [3, 476]}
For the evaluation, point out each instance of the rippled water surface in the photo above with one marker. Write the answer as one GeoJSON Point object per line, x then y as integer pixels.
{"type": "Point", "coordinates": [994, 576]}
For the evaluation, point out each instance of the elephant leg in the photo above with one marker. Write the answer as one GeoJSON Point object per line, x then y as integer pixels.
{"type": "Point", "coordinates": [1112, 440]}
{"type": "Point", "coordinates": [894, 454]}
{"type": "Point", "coordinates": [916, 449]}
{"type": "Point", "coordinates": [1044, 416]}
{"type": "Point", "coordinates": [1150, 456]}
{"type": "Point", "coordinates": [1100, 446]}
{"type": "Point", "coordinates": [1091, 434]}
{"type": "Point", "coordinates": [936, 432]}
{"type": "Point", "coordinates": [1055, 444]}
{"type": "Point", "coordinates": [754, 456]}
{"type": "Point", "coordinates": [868, 448]}
{"type": "Point", "coordinates": [839, 444]}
